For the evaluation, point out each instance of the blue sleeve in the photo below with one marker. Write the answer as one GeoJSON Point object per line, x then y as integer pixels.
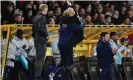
{"type": "Point", "coordinates": [75, 27]}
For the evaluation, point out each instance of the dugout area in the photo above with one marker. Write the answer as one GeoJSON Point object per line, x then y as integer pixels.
{"type": "Point", "coordinates": [85, 67]}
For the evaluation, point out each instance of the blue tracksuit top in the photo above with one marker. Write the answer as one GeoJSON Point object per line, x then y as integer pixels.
{"type": "Point", "coordinates": [66, 33]}
{"type": "Point", "coordinates": [104, 54]}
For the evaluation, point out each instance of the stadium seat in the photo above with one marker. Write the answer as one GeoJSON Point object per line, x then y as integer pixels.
{"type": "Point", "coordinates": [49, 60]}
{"type": "Point", "coordinates": [116, 74]}
{"type": "Point", "coordinates": [83, 65]}
{"type": "Point", "coordinates": [77, 74]}
{"type": "Point", "coordinates": [128, 68]}
{"type": "Point", "coordinates": [93, 68]}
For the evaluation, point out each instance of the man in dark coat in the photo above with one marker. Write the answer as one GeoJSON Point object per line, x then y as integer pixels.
{"type": "Point", "coordinates": [105, 57]}
{"type": "Point", "coordinates": [69, 26]}
{"type": "Point", "coordinates": [40, 39]}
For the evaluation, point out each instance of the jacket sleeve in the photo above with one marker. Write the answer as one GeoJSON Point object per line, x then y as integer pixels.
{"type": "Point", "coordinates": [42, 26]}
{"type": "Point", "coordinates": [54, 46]}
{"type": "Point", "coordinates": [11, 52]}
{"type": "Point", "coordinates": [113, 45]}
{"type": "Point", "coordinates": [76, 27]}
{"type": "Point", "coordinates": [100, 54]}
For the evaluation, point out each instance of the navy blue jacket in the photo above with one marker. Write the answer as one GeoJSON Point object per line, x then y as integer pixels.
{"type": "Point", "coordinates": [104, 54]}
{"type": "Point", "coordinates": [66, 33]}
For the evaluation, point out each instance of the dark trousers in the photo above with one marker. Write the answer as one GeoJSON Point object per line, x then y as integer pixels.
{"type": "Point", "coordinates": [119, 67]}
{"type": "Point", "coordinates": [66, 52]}
{"type": "Point", "coordinates": [8, 75]}
{"type": "Point", "coordinates": [31, 67]}
{"type": "Point", "coordinates": [105, 73]}
{"type": "Point", "coordinates": [40, 45]}
{"type": "Point", "coordinates": [20, 73]}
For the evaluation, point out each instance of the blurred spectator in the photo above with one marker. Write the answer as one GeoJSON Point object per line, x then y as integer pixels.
{"type": "Point", "coordinates": [88, 9]}
{"type": "Point", "coordinates": [100, 9]}
{"type": "Point", "coordinates": [112, 9]}
{"type": "Point", "coordinates": [123, 13]}
{"type": "Point", "coordinates": [18, 19]}
{"type": "Point", "coordinates": [82, 12]}
{"type": "Point", "coordinates": [8, 15]}
{"type": "Point", "coordinates": [101, 20]}
{"type": "Point", "coordinates": [76, 8]}
{"type": "Point", "coordinates": [108, 20]}
{"type": "Point", "coordinates": [130, 15]}
{"type": "Point", "coordinates": [57, 14]}
{"type": "Point", "coordinates": [117, 10]}
{"type": "Point", "coordinates": [88, 20]}
{"type": "Point", "coordinates": [95, 17]}
{"type": "Point", "coordinates": [115, 18]}
{"type": "Point", "coordinates": [51, 22]}
{"type": "Point", "coordinates": [126, 21]}
{"type": "Point", "coordinates": [131, 7]}
{"type": "Point", "coordinates": [28, 18]}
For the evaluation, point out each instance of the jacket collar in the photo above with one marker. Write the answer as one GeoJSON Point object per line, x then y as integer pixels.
{"type": "Point", "coordinates": [41, 14]}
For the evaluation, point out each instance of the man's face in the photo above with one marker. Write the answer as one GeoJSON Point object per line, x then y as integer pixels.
{"type": "Point", "coordinates": [130, 14]}
{"type": "Point", "coordinates": [20, 36]}
{"type": "Point", "coordinates": [100, 9]}
{"type": "Point", "coordinates": [18, 18]}
{"type": "Point", "coordinates": [58, 11]}
{"type": "Point", "coordinates": [88, 8]}
{"type": "Point", "coordinates": [88, 19]}
{"type": "Point", "coordinates": [116, 14]}
{"type": "Point", "coordinates": [10, 8]}
{"type": "Point", "coordinates": [45, 11]}
{"type": "Point", "coordinates": [112, 8]}
{"type": "Point", "coordinates": [30, 13]}
{"type": "Point", "coordinates": [82, 11]}
{"type": "Point", "coordinates": [115, 37]}
{"type": "Point", "coordinates": [107, 38]}
{"type": "Point", "coordinates": [102, 18]}
{"type": "Point", "coordinates": [76, 7]}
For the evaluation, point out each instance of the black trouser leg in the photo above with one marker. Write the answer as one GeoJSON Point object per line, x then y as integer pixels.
{"type": "Point", "coordinates": [39, 60]}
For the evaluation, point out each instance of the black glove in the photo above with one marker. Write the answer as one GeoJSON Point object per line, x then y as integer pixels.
{"type": "Point", "coordinates": [13, 60]}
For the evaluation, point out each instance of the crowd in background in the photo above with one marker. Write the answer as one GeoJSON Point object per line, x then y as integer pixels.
{"type": "Point", "coordinates": [92, 12]}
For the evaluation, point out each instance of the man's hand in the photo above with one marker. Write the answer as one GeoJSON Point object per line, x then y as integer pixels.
{"type": "Point", "coordinates": [13, 60]}
{"type": "Point", "coordinates": [24, 46]}
{"type": "Point", "coordinates": [68, 2]}
{"type": "Point", "coordinates": [30, 47]}
{"type": "Point", "coordinates": [114, 50]}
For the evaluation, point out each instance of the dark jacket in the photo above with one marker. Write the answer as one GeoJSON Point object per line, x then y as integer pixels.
{"type": "Point", "coordinates": [66, 33]}
{"type": "Point", "coordinates": [39, 26]}
{"type": "Point", "coordinates": [104, 54]}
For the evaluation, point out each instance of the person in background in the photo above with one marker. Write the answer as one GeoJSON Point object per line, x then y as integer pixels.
{"type": "Point", "coordinates": [31, 56]}
{"type": "Point", "coordinates": [82, 12]}
{"type": "Point", "coordinates": [57, 14]}
{"type": "Point", "coordinates": [55, 50]}
{"type": "Point", "coordinates": [88, 20]}
{"type": "Point", "coordinates": [105, 57]}
{"type": "Point", "coordinates": [8, 14]}
{"type": "Point", "coordinates": [126, 22]}
{"type": "Point", "coordinates": [18, 46]}
{"type": "Point", "coordinates": [115, 44]}
{"type": "Point", "coordinates": [108, 20]}
{"type": "Point", "coordinates": [115, 18]}
{"type": "Point", "coordinates": [18, 19]}
{"type": "Point", "coordinates": [28, 17]}
{"type": "Point", "coordinates": [101, 20]}
{"type": "Point", "coordinates": [125, 42]}
{"type": "Point", "coordinates": [51, 22]}
{"type": "Point", "coordinates": [40, 36]}
{"type": "Point", "coordinates": [3, 42]}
